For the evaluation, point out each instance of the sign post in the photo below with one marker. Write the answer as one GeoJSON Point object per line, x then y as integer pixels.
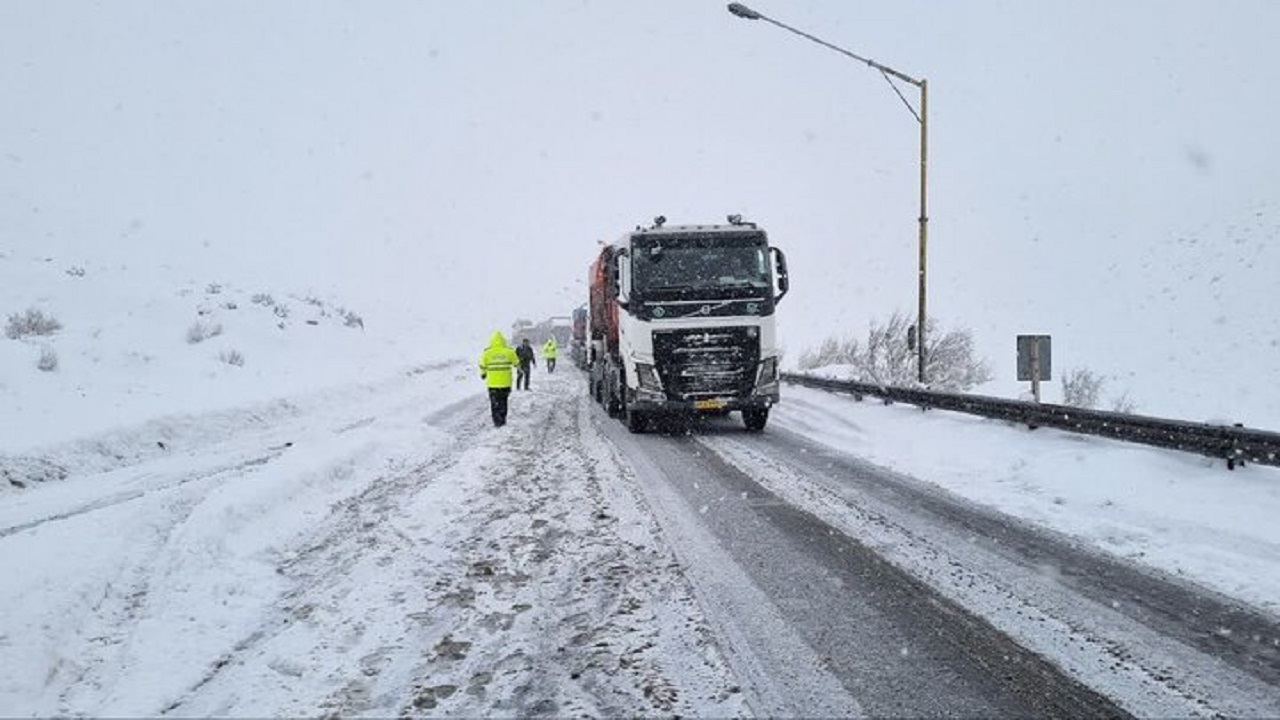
{"type": "Point", "coordinates": [1035, 361]}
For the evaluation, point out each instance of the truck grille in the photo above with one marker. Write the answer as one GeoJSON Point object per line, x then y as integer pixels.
{"type": "Point", "coordinates": [709, 362]}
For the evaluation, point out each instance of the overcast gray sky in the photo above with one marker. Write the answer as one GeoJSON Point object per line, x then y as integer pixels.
{"type": "Point", "coordinates": [463, 159]}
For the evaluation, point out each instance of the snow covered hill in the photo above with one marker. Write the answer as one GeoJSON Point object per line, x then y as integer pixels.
{"type": "Point", "coordinates": [135, 341]}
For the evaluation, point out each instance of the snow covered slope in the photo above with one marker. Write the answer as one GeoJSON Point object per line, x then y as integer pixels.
{"type": "Point", "coordinates": [139, 340]}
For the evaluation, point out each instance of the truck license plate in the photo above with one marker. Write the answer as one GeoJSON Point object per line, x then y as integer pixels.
{"type": "Point", "coordinates": [710, 404]}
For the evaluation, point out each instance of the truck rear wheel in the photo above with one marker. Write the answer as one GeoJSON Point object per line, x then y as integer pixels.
{"type": "Point", "coordinates": [755, 418]}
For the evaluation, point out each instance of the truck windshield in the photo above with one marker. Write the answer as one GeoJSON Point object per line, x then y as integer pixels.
{"type": "Point", "coordinates": [704, 263]}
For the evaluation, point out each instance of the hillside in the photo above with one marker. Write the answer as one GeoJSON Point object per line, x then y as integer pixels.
{"type": "Point", "coordinates": [136, 341]}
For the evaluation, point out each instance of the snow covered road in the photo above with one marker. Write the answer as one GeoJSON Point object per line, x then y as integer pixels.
{"type": "Point", "coordinates": [374, 551]}
{"type": "Point", "coordinates": [894, 646]}
{"type": "Point", "coordinates": [1156, 644]}
{"type": "Point", "coordinates": [381, 549]}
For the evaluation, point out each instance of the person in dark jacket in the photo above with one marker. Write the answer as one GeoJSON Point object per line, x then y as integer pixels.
{"type": "Point", "coordinates": [495, 368]}
{"type": "Point", "coordinates": [527, 361]}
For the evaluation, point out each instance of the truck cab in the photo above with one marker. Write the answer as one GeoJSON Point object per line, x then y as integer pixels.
{"type": "Point", "coordinates": [693, 325]}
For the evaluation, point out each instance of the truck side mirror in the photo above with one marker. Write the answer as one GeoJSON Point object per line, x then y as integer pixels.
{"type": "Point", "coordinates": [780, 262]}
{"type": "Point", "coordinates": [622, 276]}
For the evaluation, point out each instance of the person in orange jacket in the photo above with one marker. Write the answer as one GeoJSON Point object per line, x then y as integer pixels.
{"type": "Point", "coordinates": [496, 363]}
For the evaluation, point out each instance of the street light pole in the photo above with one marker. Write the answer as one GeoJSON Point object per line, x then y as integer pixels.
{"type": "Point", "coordinates": [924, 225]}
{"type": "Point", "coordinates": [922, 117]}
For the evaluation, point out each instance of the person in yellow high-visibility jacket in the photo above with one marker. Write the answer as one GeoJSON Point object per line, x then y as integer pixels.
{"type": "Point", "coordinates": [496, 363]}
{"type": "Point", "coordinates": [549, 352]}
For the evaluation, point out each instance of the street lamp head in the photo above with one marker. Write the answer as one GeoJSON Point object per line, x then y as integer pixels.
{"type": "Point", "coordinates": [743, 11]}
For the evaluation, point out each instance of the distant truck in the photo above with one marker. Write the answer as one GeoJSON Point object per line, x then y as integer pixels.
{"type": "Point", "coordinates": [681, 321]}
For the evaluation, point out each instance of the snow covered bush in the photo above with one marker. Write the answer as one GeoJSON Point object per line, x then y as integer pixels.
{"type": "Point", "coordinates": [32, 322]}
{"type": "Point", "coordinates": [48, 361]}
{"type": "Point", "coordinates": [262, 299]}
{"type": "Point", "coordinates": [1124, 403]}
{"type": "Point", "coordinates": [1082, 388]}
{"type": "Point", "coordinates": [232, 357]}
{"type": "Point", "coordinates": [351, 319]}
{"type": "Point", "coordinates": [202, 330]}
{"type": "Point", "coordinates": [830, 352]}
{"type": "Point", "coordinates": [951, 362]}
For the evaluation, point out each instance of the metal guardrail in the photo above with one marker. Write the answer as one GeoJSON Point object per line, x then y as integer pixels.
{"type": "Point", "coordinates": [1235, 444]}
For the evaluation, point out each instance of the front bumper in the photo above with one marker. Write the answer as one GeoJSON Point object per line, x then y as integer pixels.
{"type": "Point", "coordinates": [707, 405]}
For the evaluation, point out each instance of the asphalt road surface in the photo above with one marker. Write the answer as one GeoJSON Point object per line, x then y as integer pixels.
{"type": "Point", "coordinates": [839, 587]}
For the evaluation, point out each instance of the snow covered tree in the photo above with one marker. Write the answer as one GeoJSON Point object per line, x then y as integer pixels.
{"type": "Point", "coordinates": [1082, 388]}
{"type": "Point", "coordinates": [951, 362]}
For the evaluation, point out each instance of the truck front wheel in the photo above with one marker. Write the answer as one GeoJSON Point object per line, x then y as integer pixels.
{"type": "Point", "coordinates": [755, 418]}
{"type": "Point", "coordinates": [637, 422]}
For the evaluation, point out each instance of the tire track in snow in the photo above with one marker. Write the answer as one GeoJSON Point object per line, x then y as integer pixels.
{"type": "Point", "coordinates": [506, 572]}
{"type": "Point", "coordinates": [316, 567]}
{"type": "Point", "coordinates": [1090, 620]}
{"type": "Point", "coordinates": [566, 559]}
{"type": "Point", "coordinates": [113, 500]}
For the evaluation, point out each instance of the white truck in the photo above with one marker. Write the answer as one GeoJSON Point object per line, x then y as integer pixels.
{"type": "Point", "coordinates": [681, 320]}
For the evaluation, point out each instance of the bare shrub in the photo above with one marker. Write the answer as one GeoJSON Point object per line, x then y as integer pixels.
{"type": "Point", "coordinates": [48, 361]}
{"type": "Point", "coordinates": [281, 311]}
{"type": "Point", "coordinates": [32, 322]}
{"type": "Point", "coordinates": [351, 319]}
{"type": "Point", "coordinates": [830, 352]}
{"type": "Point", "coordinates": [202, 330]}
{"type": "Point", "coordinates": [213, 288]}
{"type": "Point", "coordinates": [1082, 388]}
{"type": "Point", "coordinates": [1124, 403]}
{"type": "Point", "coordinates": [75, 271]}
{"type": "Point", "coordinates": [232, 357]}
{"type": "Point", "coordinates": [951, 362]}
{"type": "Point", "coordinates": [262, 299]}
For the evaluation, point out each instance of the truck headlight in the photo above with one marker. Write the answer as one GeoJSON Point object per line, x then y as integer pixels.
{"type": "Point", "coordinates": [647, 380]}
{"type": "Point", "coordinates": [767, 377]}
